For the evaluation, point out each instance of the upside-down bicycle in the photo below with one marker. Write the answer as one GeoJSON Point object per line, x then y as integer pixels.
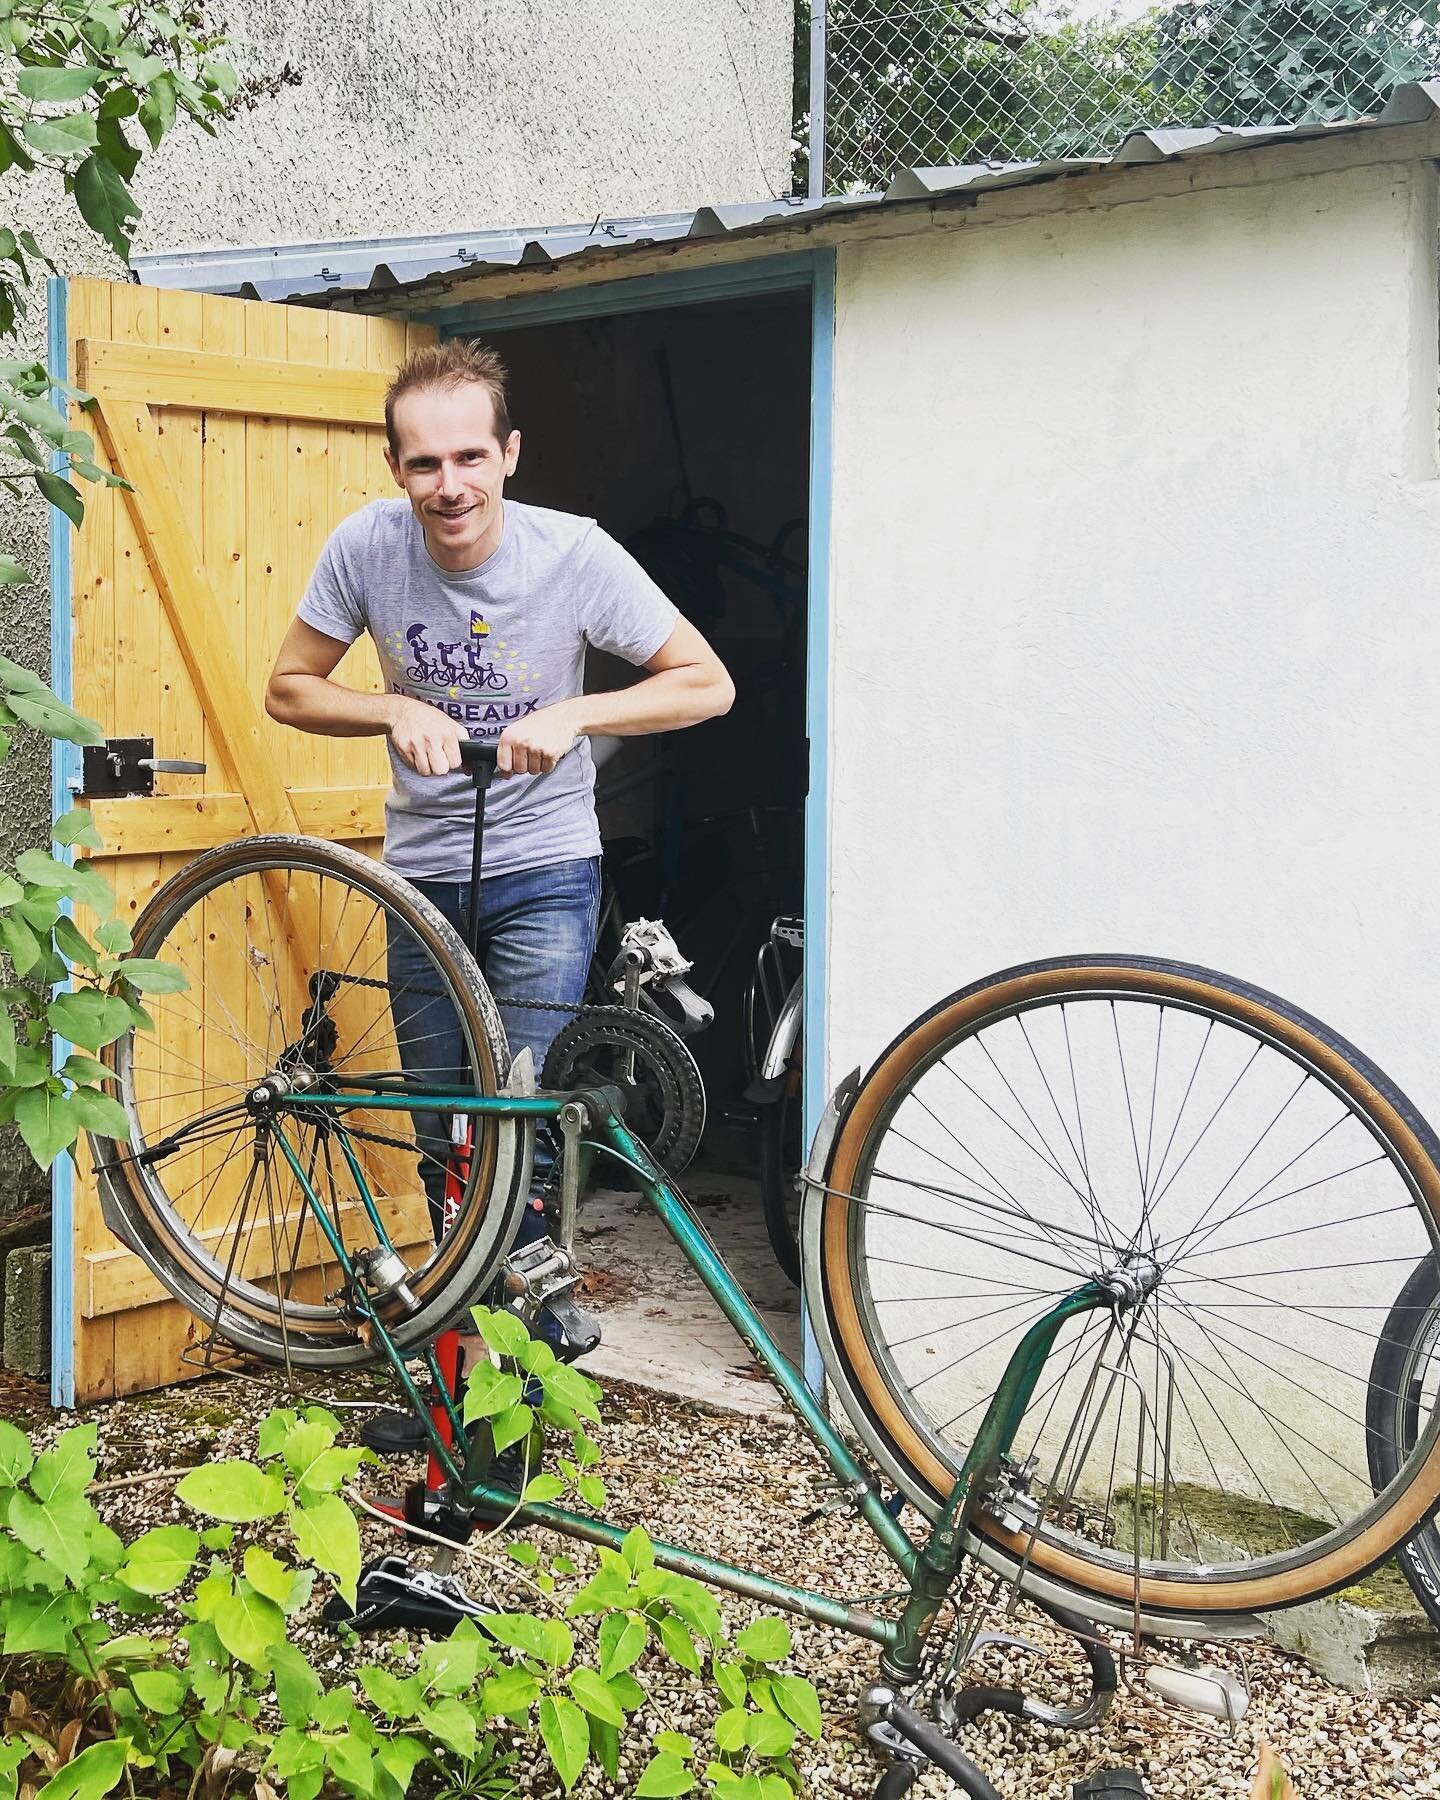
{"type": "Point", "coordinates": [1099, 1255]}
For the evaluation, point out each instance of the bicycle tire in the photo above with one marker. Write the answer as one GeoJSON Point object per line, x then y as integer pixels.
{"type": "Point", "coordinates": [220, 919]}
{"type": "Point", "coordinates": [780, 1140]}
{"type": "Point", "coordinates": [1402, 1388]}
{"type": "Point", "coordinates": [883, 1402]}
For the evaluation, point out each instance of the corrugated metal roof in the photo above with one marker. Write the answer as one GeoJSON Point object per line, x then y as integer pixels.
{"type": "Point", "coordinates": [374, 266]}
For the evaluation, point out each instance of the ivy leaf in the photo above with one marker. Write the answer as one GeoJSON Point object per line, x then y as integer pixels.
{"type": "Point", "coordinates": [489, 1391]}
{"type": "Point", "coordinates": [114, 936]}
{"type": "Point", "coordinates": [48, 1123]}
{"type": "Point", "coordinates": [542, 1488]}
{"type": "Point", "coordinates": [85, 1069]}
{"type": "Point", "coordinates": [16, 1456]}
{"type": "Point", "coordinates": [268, 1575]}
{"type": "Point", "coordinates": [297, 1686]}
{"type": "Point", "coordinates": [510, 1692]}
{"type": "Point", "coordinates": [64, 137]}
{"type": "Point", "coordinates": [592, 1491]}
{"type": "Point", "coordinates": [730, 1730]}
{"type": "Point", "coordinates": [92, 1773]}
{"type": "Point", "coordinates": [326, 1534]}
{"type": "Point", "coordinates": [78, 825]}
{"type": "Point", "coordinates": [512, 1426]}
{"type": "Point", "coordinates": [664, 1775]}
{"type": "Point", "coordinates": [566, 1737]}
{"type": "Point", "coordinates": [98, 1112]}
{"type": "Point", "coordinates": [153, 977]}
{"type": "Point", "coordinates": [68, 1467]}
{"type": "Point", "coordinates": [72, 942]}
{"type": "Point", "coordinates": [42, 1624]}
{"type": "Point", "coordinates": [799, 1701]}
{"type": "Point", "coordinates": [57, 1530]}
{"type": "Point", "coordinates": [452, 1721]}
{"type": "Point", "coordinates": [591, 1692]}
{"type": "Point", "coordinates": [765, 1640]}
{"type": "Point", "coordinates": [502, 1331]}
{"type": "Point", "coordinates": [55, 86]}
{"type": "Point", "coordinates": [622, 1641]}
{"type": "Point", "coordinates": [679, 1645]}
{"type": "Point", "coordinates": [89, 1018]}
{"type": "Point", "coordinates": [159, 1560]}
{"type": "Point", "coordinates": [249, 1625]}
{"type": "Point", "coordinates": [21, 945]}
{"type": "Point", "coordinates": [11, 572]}
{"type": "Point", "coordinates": [767, 1734]}
{"type": "Point", "coordinates": [233, 1490]}
{"type": "Point", "coordinates": [159, 1690]}
{"type": "Point", "coordinates": [43, 710]}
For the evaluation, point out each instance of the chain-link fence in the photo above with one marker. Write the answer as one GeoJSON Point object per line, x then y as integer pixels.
{"type": "Point", "coordinates": [923, 82]}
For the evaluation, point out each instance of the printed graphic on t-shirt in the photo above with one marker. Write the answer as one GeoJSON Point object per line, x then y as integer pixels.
{"type": "Point", "coordinates": [419, 662]}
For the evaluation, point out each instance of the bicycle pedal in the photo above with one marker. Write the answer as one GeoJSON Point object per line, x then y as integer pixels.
{"type": "Point", "coordinates": [582, 1329]}
{"type": "Point", "coordinates": [391, 1593]}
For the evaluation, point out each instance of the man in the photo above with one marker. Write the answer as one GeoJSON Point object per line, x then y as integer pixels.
{"type": "Point", "coordinates": [481, 610]}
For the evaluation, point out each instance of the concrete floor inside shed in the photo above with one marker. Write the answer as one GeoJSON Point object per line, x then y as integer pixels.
{"type": "Point", "coordinates": [662, 1329]}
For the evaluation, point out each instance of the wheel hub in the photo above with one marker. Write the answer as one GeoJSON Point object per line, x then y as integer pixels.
{"type": "Point", "coordinates": [1129, 1283]}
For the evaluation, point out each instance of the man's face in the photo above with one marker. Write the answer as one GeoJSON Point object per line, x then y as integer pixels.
{"type": "Point", "coordinates": [453, 468]}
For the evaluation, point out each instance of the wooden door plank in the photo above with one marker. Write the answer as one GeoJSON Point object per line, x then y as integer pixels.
{"type": "Point", "coordinates": [175, 564]}
{"type": "Point", "coordinates": [250, 386]}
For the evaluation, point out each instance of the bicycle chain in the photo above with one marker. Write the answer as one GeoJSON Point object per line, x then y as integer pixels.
{"type": "Point", "coordinates": [565, 1006]}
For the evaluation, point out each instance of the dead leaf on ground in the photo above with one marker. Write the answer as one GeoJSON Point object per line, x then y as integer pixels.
{"type": "Point", "coordinates": [1271, 1782]}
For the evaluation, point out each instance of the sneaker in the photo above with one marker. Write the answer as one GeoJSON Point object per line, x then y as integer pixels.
{"type": "Point", "coordinates": [393, 1433]}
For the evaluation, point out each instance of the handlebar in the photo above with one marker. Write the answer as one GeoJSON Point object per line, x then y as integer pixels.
{"type": "Point", "coordinates": [479, 758]}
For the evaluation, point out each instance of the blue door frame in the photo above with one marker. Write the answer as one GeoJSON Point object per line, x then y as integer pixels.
{"type": "Point", "coordinates": [64, 770]}
{"type": "Point", "coordinates": [811, 272]}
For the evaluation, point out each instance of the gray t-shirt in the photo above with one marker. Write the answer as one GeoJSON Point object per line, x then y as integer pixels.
{"type": "Point", "coordinates": [488, 647]}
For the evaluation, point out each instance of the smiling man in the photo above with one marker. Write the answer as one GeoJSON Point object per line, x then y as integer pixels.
{"type": "Point", "coordinates": [481, 609]}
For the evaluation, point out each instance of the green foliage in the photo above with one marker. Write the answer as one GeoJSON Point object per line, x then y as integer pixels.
{"type": "Point", "coordinates": [80, 77]}
{"type": "Point", "coordinates": [1239, 62]}
{"type": "Point", "coordinates": [51, 1105]}
{"type": "Point", "coordinates": [174, 1651]}
{"type": "Point", "coordinates": [953, 81]}
{"type": "Point", "coordinates": [85, 79]}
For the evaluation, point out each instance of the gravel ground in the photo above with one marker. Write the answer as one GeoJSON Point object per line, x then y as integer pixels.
{"type": "Point", "coordinates": [737, 1489]}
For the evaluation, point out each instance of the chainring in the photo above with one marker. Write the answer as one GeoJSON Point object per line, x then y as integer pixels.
{"type": "Point", "coordinates": [664, 1095]}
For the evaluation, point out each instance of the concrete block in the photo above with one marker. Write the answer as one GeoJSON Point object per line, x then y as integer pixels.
{"type": "Point", "coordinates": [1372, 1638]}
{"type": "Point", "coordinates": [27, 1310]}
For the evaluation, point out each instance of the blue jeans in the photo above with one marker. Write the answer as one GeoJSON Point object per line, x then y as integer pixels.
{"type": "Point", "coordinates": [537, 936]}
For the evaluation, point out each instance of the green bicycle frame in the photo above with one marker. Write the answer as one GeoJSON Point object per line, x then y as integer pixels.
{"type": "Point", "coordinates": [928, 1569]}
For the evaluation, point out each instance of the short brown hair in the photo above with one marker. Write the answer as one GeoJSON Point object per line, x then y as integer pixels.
{"type": "Point", "coordinates": [451, 364]}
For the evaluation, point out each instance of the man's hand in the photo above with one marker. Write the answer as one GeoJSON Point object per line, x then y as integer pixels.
{"type": "Point", "coordinates": [425, 738]}
{"type": "Point", "coordinates": [533, 746]}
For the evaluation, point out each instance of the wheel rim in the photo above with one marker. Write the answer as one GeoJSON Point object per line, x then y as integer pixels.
{"type": "Point", "coordinates": [223, 1207]}
{"type": "Point", "coordinates": [1212, 1312]}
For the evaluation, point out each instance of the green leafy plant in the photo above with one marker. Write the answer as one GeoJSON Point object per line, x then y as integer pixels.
{"type": "Point", "coordinates": [169, 1664]}
{"type": "Point", "coordinates": [89, 88]}
{"type": "Point", "coordinates": [49, 1099]}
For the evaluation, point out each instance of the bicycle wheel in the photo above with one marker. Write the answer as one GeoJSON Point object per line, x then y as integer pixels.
{"type": "Point", "coordinates": [782, 1153]}
{"type": "Point", "coordinates": [1252, 1188]}
{"type": "Point", "coordinates": [1403, 1392]}
{"type": "Point", "coordinates": [311, 968]}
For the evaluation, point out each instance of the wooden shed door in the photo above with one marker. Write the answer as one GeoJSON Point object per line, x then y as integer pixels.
{"type": "Point", "coordinates": [248, 432]}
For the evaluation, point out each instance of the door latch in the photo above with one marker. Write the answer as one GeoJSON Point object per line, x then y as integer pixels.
{"type": "Point", "coordinates": [121, 767]}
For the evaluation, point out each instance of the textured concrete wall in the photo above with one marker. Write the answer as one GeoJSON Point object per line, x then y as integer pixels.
{"type": "Point", "coordinates": [373, 117]}
{"type": "Point", "coordinates": [1135, 552]}
{"type": "Point", "coordinates": [366, 118]}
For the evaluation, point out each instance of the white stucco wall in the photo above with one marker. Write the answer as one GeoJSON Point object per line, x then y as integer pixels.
{"type": "Point", "coordinates": [372, 117]}
{"type": "Point", "coordinates": [1135, 622]}
{"type": "Point", "coordinates": [1136, 630]}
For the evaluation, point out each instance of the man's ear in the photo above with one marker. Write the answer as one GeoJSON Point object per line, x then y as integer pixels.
{"type": "Point", "coordinates": [394, 466]}
{"type": "Point", "coordinates": [512, 452]}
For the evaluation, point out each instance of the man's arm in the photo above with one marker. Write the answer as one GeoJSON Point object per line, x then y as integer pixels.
{"type": "Point", "coordinates": [686, 682]}
{"type": "Point", "coordinates": [301, 693]}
